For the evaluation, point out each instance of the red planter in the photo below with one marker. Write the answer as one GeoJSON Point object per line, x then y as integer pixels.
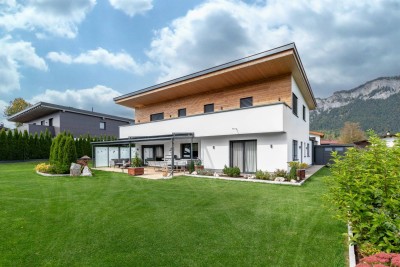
{"type": "Point", "coordinates": [135, 171]}
{"type": "Point", "coordinates": [301, 173]}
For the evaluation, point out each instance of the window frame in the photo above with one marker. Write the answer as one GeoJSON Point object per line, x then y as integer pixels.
{"type": "Point", "coordinates": [154, 117]}
{"type": "Point", "coordinates": [295, 100]}
{"type": "Point", "coordinates": [195, 145]}
{"type": "Point", "coordinates": [304, 113]}
{"type": "Point", "coordinates": [243, 102]}
{"type": "Point", "coordinates": [181, 110]}
{"type": "Point", "coordinates": [209, 105]}
{"type": "Point", "coordinates": [102, 123]}
{"type": "Point", "coordinates": [295, 150]}
{"type": "Point", "coordinates": [51, 122]}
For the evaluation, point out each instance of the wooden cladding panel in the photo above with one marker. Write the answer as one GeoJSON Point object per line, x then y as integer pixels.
{"type": "Point", "coordinates": [264, 92]}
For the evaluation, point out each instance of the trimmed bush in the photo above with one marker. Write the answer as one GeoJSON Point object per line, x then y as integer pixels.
{"type": "Point", "coordinates": [231, 171]}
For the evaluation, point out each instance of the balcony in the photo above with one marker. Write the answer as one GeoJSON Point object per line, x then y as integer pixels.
{"type": "Point", "coordinates": [258, 119]}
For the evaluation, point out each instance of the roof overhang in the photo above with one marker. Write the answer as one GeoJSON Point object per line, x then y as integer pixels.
{"type": "Point", "coordinates": [42, 109]}
{"type": "Point", "coordinates": [279, 61]}
{"type": "Point", "coordinates": [138, 139]}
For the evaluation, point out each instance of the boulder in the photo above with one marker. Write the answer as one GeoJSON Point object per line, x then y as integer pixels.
{"type": "Point", "coordinates": [86, 171]}
{"type": "Point", "coordinates": [75, 169]}
{"type": "Point", "coordinates": [279, 179]}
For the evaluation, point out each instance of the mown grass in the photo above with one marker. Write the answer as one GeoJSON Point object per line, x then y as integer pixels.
{"type": "Point", "coordinates": [116, 220]}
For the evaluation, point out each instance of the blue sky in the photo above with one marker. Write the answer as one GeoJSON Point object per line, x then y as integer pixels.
{"type": "Point", "coordinates": [82, 53]}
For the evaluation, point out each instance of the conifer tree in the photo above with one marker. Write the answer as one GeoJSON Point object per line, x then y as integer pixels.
{"type": "Point", "coordinates": [3, 145]}
{"type": "Point", "coordinates": [25, 145]}
{"type": "Point", "coordinates": [11, 147]}
{"type": "Point", "coordinates": [69, 152]}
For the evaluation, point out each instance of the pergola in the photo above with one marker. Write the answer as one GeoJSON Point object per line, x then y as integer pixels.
{"type": "Point", "coordinates": [137, 139]}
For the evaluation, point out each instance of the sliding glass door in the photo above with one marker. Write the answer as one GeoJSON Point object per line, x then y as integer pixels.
{"type": "Point", "coordinates": [243, 154]}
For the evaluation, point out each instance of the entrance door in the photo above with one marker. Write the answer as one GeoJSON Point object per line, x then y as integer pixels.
{"type": "Point", "coordinates": [244, 155]}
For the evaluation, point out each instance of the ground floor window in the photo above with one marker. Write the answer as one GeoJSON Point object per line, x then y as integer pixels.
{"type": "Point", "coordinates": [153, 152]}
{"type": "Point", "coordinates": [295, 151]}
{"type": "Point", "coordinates": [243, 154]}
{"type": "Point", "coordinates": [185, 150]}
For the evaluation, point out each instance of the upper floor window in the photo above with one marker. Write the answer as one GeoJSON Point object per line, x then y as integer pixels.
{"type": "Point", "coordinates": [304, 113]}
{"type": "Point", "coordinates": [41, 122]}
{"type": "Point", "coordinates": [182, 112]}
{"type": "Point", "coordinates": [51, 122]}
{"type": "Point", "coordinates": [294, 104]}
{"type": "Point", "coordinates": [157, 116]}
{"type": "Point", "coordinates": [246, 102]}
{"type": "Point", "coordinates": [208, 108]}
{"type": "Point", "coordinates": [102, 125]}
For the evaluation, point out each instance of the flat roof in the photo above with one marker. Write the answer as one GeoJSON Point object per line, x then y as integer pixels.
{"type": "Point", "coordinates": [136, 139]}
{"type": "Point", "coordinates": [41, 109]}
{"type": "Point", "coordinates": [278, 61]}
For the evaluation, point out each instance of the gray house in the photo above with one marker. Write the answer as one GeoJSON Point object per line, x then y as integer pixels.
{"type": "Point", "coordinates": [56, 119]}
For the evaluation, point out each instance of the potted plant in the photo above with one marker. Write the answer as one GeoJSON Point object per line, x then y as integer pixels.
{"type": "Point", "coordinates": [198, 165]}
{"type": "Point", "coordinates": [301, 170]}
{"type": "Point", "coordinates": [136, 168]}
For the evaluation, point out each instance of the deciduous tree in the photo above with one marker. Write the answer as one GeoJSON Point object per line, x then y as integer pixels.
{"type": "Point", "coordinates": [351, 132]}
{"type": "Point", "coordinates": [16, 106]}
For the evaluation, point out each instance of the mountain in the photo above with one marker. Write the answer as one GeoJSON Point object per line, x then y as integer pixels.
{"type": "Point", "coordinates": [375, 105]}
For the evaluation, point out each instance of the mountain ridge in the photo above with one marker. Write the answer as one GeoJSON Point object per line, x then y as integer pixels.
{"type": "Point", "coordinates": [374, 104]}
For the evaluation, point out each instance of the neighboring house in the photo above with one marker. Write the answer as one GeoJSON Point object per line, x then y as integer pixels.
{"type": "Point", "coordinates": [56, 119]}
{"type": "Point", "coordinates": [316, 137]}
{"type": "Point", "coordinates": [329, 142]}
{"type": "Point", "coordinates": [252, 113]}
{"type": "Point", "coordinates": [389, 139]}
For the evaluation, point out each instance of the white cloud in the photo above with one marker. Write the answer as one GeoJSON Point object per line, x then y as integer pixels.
{"type": "Point", "coordinates": [3, 118]}
{"type": "Point", "coordinates": [59, 18]}
{"type": "Point", "coordinates": [121, 60]}
{"type": "Point", "coordinates": [340, 42]}
{"type": "Point", "coordinates": [132, 7]}
{"type": "Point", "coordinates": [13, 56]}
{"type": "Point", "coordinates": [99, 97]}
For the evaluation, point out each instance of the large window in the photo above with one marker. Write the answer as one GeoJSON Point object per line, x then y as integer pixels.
{"type": "Point", "coordinates": [152, 152]}
{"type": "Point", "coordinates": [157, 116]}
{"type": "Point", "coordinates": [208, 108]}
{"type": "Point", "coordinates": [185, 150]}
{"type": "Point", "coordinates": [246, 102]}
{"type": "Point", "coordinates": [304, 113]}
{"type": "Point", "coordinates": [243, 154]}
{"type": "Point", "coordinates": [295, 150]}
{"type": "Point", "coordinates": [182, 112]}
{"type": "Point", "coordinates": [294, 104]}
{"type": "Point", "coordinates": [102, 125]}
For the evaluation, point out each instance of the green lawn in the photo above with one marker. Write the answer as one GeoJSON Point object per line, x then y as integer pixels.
{"type": "Point", "coordinates": [116, 220]}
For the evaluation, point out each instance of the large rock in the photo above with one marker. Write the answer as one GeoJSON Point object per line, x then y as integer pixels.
{"type": "Point", "coordinates": [86, 171]}
{"type": "Point", "coordinates": [75, 169]}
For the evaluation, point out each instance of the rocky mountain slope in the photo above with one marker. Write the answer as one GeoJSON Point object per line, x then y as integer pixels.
{"type": "Point", "coordinates": [375, 105]}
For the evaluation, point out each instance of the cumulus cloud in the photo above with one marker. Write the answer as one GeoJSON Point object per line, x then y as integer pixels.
{"type": "Point", "coordinates": [3, 119]}
{"type": "Point", "coordinates": [340, 42]}
{"type": "Point", "coordinates": [13, 56]}
{"type": "Point", "coordinates": [120, 61]}
{"type": "Point", "coordinates": [99, 97]}
{"type": "Point", "coordinates": [132, 7]}
{"type": "Point", "coordinates": [60, 18]}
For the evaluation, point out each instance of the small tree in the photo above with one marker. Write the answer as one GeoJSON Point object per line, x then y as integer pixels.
{"type": "Point", "coordinates": [351, 132]}
{"type": "Point", "coordinates": [17, 105]}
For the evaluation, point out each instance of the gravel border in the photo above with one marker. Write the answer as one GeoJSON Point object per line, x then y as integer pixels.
{"type": "Point", "coordinates": [52, 175]}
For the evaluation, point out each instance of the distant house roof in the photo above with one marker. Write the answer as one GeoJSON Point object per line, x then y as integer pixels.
{"type": "Point", "coordinates": [42, 109]}
{"type": "Point", "coordinates": [317, 133]}
{"type": "Point", "coordinates": [329, 142]}
{"type": "Point", "coordinates": [278, 61]}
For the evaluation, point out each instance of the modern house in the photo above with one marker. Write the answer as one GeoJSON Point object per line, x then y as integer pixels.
{"type": "Point", "coordinates": [56, 119]}
{"type": "Point", "coordinates": [252, 113]}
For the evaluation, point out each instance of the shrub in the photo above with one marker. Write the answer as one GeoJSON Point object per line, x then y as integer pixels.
{"type": "Point", "coordinates": [69, 152]}
{"type": "Point", "coordinates": [231, 171]}
{"type": "Point", "coordinates": [364, 191]}
{"type": "Point", "coordinates": [292, 174]}
{"type": "Point", "coordinates": [42, 167]}
{"type": "Point", "coordinates": [381, 259]}
{"type": "Point", "coordinates": [262, 175]}
{"type": "Point", "coordinates": [136, 161]}
{"type": "Point", "coordinates": [205, 172]}
{"type": "Point", "coordinates": [190, 166]}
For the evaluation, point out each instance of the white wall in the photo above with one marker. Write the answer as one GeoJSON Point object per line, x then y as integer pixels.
{"type": "Point", "coordinates": [215, 150]}
{"type": "Point", "coordinates": [262, 119]}
{"type": "Point", "coordinates": [297, 128]}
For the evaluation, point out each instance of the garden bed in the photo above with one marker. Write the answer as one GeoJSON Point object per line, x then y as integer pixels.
{"type": "Point", "coordinates": [52, 175]}
{"type": "Point", "coordinates": [243, 179]}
